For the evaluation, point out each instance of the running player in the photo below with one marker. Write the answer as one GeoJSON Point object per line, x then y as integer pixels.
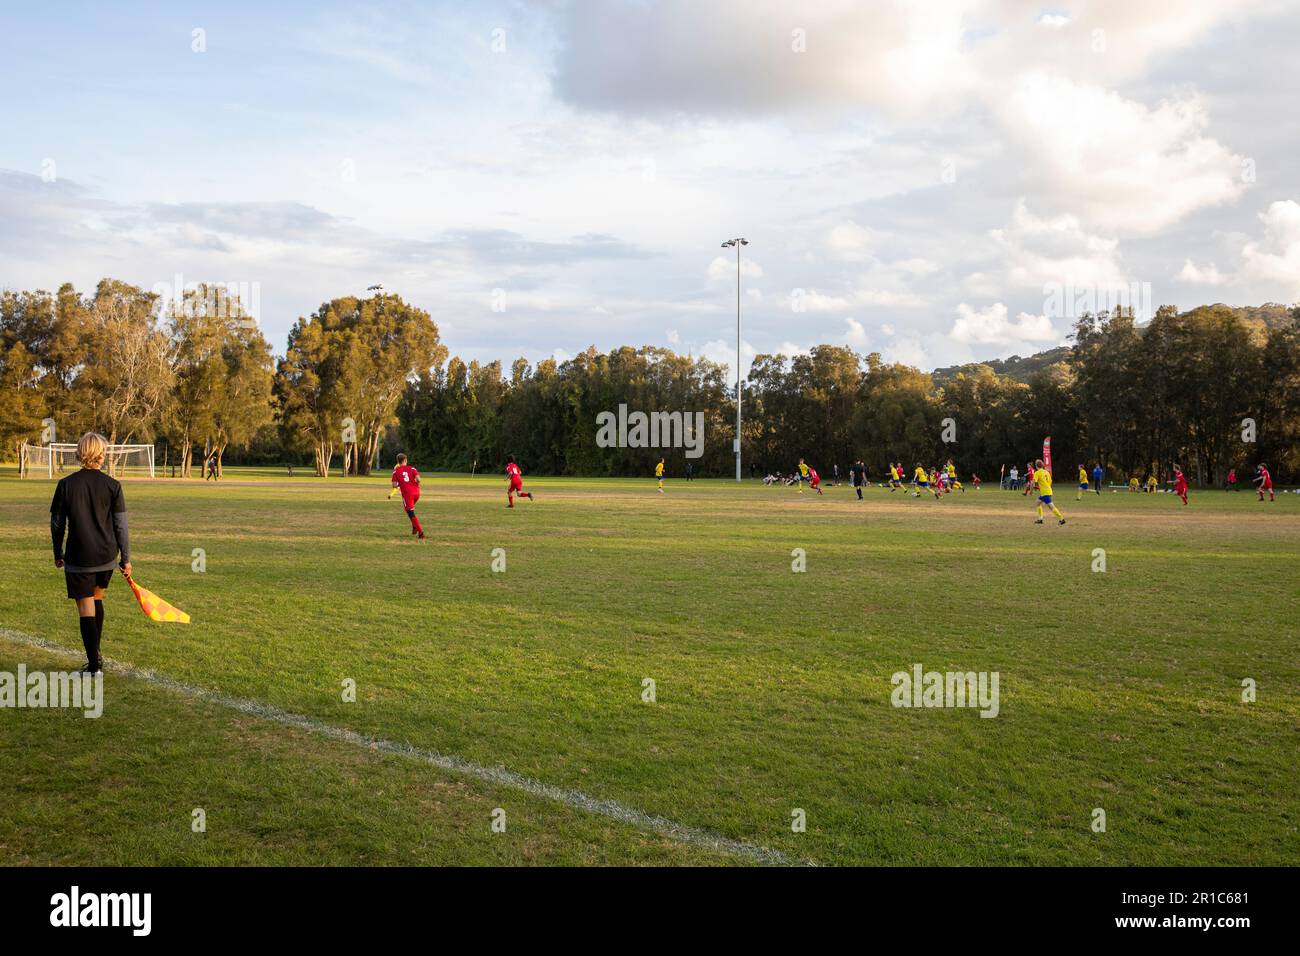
{"type": "Point", "coordinates": [1030, 474]}
{"type": "Point", "coordinates": [659, 475]}
{"type": "Point", "coordinates": [407, 481]}
{"type": "Point", "coordinates": [1083, 483]}
{"type": "Point", "coordinates": [515, 482]}
{"type": "Point", "coordinates": [921, 480]}
{"type": "Point", "coordinates": [815, 481]}
{"type": "Point", "coordinates": [1043, 482]}
{"type": "Point", "coordinates": [1180, 484]}
{"type": "Point", "coordinates": [1265, 481]}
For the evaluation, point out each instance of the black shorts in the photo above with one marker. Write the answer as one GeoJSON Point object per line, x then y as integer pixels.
{"type": "Point", "coordinates": [82, 584]}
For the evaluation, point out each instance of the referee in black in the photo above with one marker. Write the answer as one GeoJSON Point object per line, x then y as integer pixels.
{"type": "Point", "coordinates": [89, 509]}
{"type": "Point", "coordinates": [858, 476]}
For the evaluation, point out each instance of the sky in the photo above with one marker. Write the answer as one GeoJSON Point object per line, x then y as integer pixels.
{"type": "Point", "coordinates": [940, 182]}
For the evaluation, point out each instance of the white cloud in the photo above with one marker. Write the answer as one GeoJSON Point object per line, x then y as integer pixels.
{"type": "Point", "coordinates": [1277, 257]}
{"type": "Point", "coordinates": [1053, 20]}
{"type": "Point", "coordinates": [991, 326]}
{"type": "Point", "coordinates": [908, 351]}
{"type": "Point", "coordinates": [1037, 251]}
{"type": "Point", "coordinates": [1208, 275]}
{"type": "Point", "coordinates": [673, 337]}
{"type": "Point", "coordinates": [1119, 163]}
{"type": "Point", "coordinates": [810, 300]}
{"type": "Point", "coordinates": [856, 336]}
{"type": "Point", "coordinates": [724, 267]}
{"type": "Point", "coordinates": [850, 241]}
{"type": "Point", "coordinates": [723, 352]}
{"type": "Point", "coordinates": [886, 298]}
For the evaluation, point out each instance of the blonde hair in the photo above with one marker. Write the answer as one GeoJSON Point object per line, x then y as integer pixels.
{"type": "Point", "coordinates": [91, 449]}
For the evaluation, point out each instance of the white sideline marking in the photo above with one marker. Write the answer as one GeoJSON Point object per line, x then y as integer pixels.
{"type": "Point", "coordinates": [693, 836]}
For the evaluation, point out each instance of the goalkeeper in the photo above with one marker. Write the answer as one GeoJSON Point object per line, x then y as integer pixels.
{"type": "Point", "coordinates": [89, 509]}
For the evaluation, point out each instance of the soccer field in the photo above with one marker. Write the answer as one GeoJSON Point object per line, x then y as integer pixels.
{"type": "Point", "coordinates": [524, 690]}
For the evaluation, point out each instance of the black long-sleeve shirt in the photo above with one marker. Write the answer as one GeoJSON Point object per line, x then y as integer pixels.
{"type": "Point", "coordinates": [90, 508]}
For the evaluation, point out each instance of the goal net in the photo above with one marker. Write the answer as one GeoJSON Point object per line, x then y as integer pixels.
{"type": "Point", "coordinates": [57, 460]}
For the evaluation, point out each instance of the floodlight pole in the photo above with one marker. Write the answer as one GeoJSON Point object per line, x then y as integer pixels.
{"type": "Point", "coordinates": [737, 242]}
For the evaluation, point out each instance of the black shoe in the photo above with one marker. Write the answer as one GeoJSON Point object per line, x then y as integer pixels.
{"type": "Point", "coordinates": [1038, 521]}
{"type": "Point", "coordinates": [1062, 521]}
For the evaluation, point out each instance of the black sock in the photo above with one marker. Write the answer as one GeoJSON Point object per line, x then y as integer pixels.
{"type": "Point", "coordinates": [90, 640]}
{"type": "Point", "coordinates": [99, 631]}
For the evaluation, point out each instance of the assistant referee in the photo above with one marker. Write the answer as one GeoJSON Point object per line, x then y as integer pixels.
{"type": "Point", "coordinates": [89, 508]}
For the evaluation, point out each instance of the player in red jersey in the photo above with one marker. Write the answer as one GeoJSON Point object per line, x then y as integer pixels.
{"type": "Point", "coordinates": [814, 480]}
{"type": "Point", "coordinates": [407, 480]}
{"type": "Point", "coordinates": [1265, 482]}
{"type": "Point", "coordinates": [1180, 484]}
{"type": "Point", "coordinates": [514, 483]}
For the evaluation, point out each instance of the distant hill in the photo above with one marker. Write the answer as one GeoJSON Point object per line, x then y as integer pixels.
{"type": "Point", "coordinates": [1271, 315]}
{"type": "Point", "coordinates": [1014, 367]}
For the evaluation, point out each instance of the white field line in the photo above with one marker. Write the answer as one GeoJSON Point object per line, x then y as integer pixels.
{"type": "Point", "coordinates": [692, 836]}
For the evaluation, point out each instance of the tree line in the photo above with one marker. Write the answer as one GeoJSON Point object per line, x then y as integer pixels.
{"type": "Point", "coordinates": [1206, 389]}
{"type": "Point", "coordinates": [1211, 389]}
{"type": "Point", "coordinates": [195, 373]}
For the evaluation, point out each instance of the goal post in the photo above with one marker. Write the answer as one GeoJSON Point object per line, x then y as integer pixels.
{"type": "Point", "coordinates": [60, 458]}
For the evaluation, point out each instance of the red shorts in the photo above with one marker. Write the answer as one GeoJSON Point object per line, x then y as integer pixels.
{"type": "Point", "coordinates": [409, 498]}
{"type": "Point", "coordinates": [516, 484]}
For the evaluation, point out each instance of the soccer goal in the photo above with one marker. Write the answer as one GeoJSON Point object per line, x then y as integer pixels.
{"type": "Point", "coordinates": [54, 461]}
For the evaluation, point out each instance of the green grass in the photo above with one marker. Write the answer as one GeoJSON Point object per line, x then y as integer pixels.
{"type": "Point", "coordinates": [1119, 690]}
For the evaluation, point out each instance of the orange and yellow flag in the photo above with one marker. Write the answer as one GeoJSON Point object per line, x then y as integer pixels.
{"type": "Point", "coordinates": [155, 608]}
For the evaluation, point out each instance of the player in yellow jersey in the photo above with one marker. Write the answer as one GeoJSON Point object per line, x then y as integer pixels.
{"type": "Point", "coordinates": [895, 477]}
{"type": "Point", "coordinates": [659, 475]}
{"type": "Point", "coordinates": [922, 479]}
{"type": "Point", "coordinates": [1083, 483]}
{"type": "Point", "coordinates": [803, 474]}
{"type": "Point", "coordinates": [1043, 482]}
{"type": "Point", "coordinates": [1152, 483]}
{"type": "Point", "coordinates": [951, 469]}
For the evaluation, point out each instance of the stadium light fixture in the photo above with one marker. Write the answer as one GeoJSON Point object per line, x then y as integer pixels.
{"type": "Point", "coordinates": [737, 242]}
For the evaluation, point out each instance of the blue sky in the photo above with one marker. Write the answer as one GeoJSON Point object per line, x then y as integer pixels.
{"type": "Point", "coordinates": [915, 179]}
